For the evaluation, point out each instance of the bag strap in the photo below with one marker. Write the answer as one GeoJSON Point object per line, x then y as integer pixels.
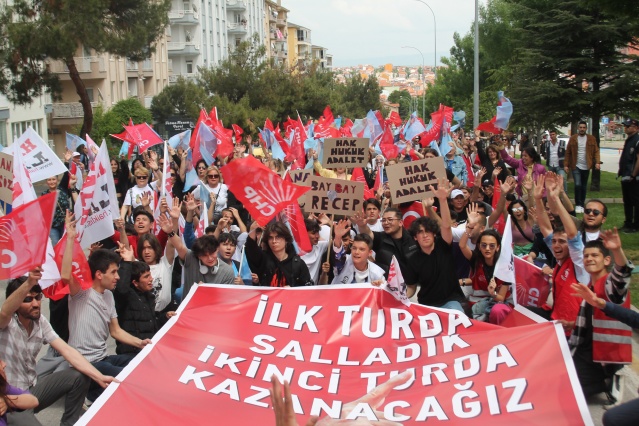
{"type": "Point", "coordinates": [521, 231]}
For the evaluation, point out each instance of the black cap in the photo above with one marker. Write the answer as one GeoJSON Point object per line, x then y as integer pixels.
{"type": "Point", "coordinates": [630, 122]}
{"type": "Point", "coordinates": [486, 182]}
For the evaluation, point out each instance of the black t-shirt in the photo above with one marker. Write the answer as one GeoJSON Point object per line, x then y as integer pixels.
{"type": "Point", "coordinates": [386, 247]}
{"type": "Point", "coordinates": [435, 273]}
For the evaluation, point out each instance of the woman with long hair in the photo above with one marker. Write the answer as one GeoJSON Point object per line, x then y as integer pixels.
{"type": "Point", "coordinates": [490, 160]}
{"type": "Point", "coordinates": [489, 294]}
{"type": "Point", "coordinates": [522, 228]}
{"type": "Point", "coordinates": [278, 265]}
{"type": "Point", "coordinates": [528, 166]}
{"type": "Point", "coordinates": [218, 191]}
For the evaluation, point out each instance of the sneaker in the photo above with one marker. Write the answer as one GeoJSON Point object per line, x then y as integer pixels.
{"type": "Point", "coordinates": [579, 209]}
{"type": "Point", "coordinates": [87, 404]}
{"type": "Point", "coordinates": [628, 230]}
{"type": "Point", "coordinates": [615, 394]}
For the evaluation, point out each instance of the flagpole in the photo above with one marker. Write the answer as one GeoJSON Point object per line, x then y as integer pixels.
{"type": "Point", "coordinates": [330, 240]}
{"type": "Point", "coordinates": [239, 271]}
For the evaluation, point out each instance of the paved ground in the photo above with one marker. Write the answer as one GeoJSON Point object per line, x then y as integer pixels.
{"type": "Point", "coordinates": [51, 416]}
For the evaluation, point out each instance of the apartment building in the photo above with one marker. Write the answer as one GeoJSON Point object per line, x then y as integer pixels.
{"type": "Point", "coordinates": [202, 32]}
{"type": "Point", "coordinates": [108, 79]}
{"type": "Point", "coordinates": [299, 46]}
{"type": "Point", "coordinates": [275, 21]}
{"type": "Point", "coordinates": [14, 119]}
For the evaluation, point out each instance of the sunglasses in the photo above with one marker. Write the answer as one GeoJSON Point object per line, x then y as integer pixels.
{"type": "Point", "coordinates": [201, 168]}
{"type": "Point", "coordinates": [518, 209]}
{"type": "Point", "coordinates": [594, 212]}
{"type": "Point", "coordinates": [492, 246]}
{"type": "Point", "coordinates": [29, 299]}
{"type": "Point", "coordinates": [141, 177]}
{"type": "Point", "coordinates": [213, 176]}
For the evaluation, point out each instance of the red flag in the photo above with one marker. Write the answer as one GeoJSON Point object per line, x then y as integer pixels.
{"type": "Point", "coordinates": [259, 189]}
{"type": "Point", "coordinates": [23, 236]}
{"type": "Point", "coordinates": [213, 116]}
{"type": "Point", "coordinates": [328, 115]}
{"type": "Point", "coordinates": [80, 272]}
{"type": "Point", "coordinates": [395, 119]}
{"type": "Point", "coordinates": [387, 144]}
{"type": "Point", "coordinates": [238, 133]}
{"type": "Point", "coordinates": [203, 118]}
{"type": "Point", "coordinates": [224, 141]}
{"type": "Point", "coordinates": [345, 129]}
{"type": "Point", "coordinates": [378, 179]}
{"type": "Point", "coordinates": [411, 212]}
{"type": "Point", "coordinates": [143, 136]}
{"type": "Point", "coordinates": [295, 223]}
{"type": "Point", "coordinates": [358, 176]}
{"type": "Point", "coordinates": [532, 286]}
{"type": "Point", "coordinates": [489, 126]}
{"type": "Point", "coordinates": [520, 317]}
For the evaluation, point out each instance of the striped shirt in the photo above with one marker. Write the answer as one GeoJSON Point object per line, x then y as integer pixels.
{"type": "Point", "coordinates": [20, 350]}
{"type": "Point", "coordinates": [90, 313]}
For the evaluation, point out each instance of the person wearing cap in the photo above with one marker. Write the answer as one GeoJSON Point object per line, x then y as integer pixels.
{"type": "Point", "coordinates": [582, 155]}
{"type": "Point", "coordinates": [629, 172]}
{"type": "Point", "coordinates": [458, 203]}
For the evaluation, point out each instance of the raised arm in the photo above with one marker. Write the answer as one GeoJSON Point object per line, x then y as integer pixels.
{"type": "Point", "coordinates": [13, 302]}
{"type": "Point", "coordinates": [359, 219]}
{"type": "Point", "coordinates": [441, 192]}
{"type": "Point", "coordinates": [542, 216]}
{"type": "Point", "coordinates": [553, 190]}
{"type": "Point", "coordinates": [67, 259]}
{"type": "Point", "coordinates": [174, 240]}
{"type": "Point", "coordinates": [238, 219]}
{"type": "Point", "coordinates": [512, 162]}
{"type": "Point", "coordinates": [505, 187]}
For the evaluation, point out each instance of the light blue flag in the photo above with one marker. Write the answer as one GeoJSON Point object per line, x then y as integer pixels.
{"type": "Point", "coordinates": [245, 270]}
{"type": "Point", "coordinates": [205, 196]}
{"type": "Point", "coordinates": [276, 150]}
{"type": "Point", "coordinates": [338, 122]}
{"type": "Point", "coordinates": [310, 132]}
{"type": "Point", "coordinates": [444, 148]}
{"type": "Point", "coordinates": [208, 143]}
{"type": "Point", "coordinates": [181, 139]}
{"type": "Point", "coordinates": [413, 127]}
{"type": "Point", "coordinates": [74, 141]}
{"type": "Point", "coordinates": [124, 150]}
{"type": "Point", "coordinates": [190, 177]}
{"type": "Point", "coordinates": [433, 145]}
{"type": "Point", "coordinates": [373, 128]}
{"type": "Point", "coordinates": [504, 111]}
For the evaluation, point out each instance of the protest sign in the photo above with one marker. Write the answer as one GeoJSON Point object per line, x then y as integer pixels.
{"type": "Point", "coordinates": [6, 180]}
{"type": "Point", "coordinates": [334, 196]}
{"type": "Point", "coordinates": [301, 177]}
{"type": "Point", "coordinates": [37, 156]}
{"type": "Point", "coordinates": [411, 181]}
{"type": "Point", "coordinates": [345, 152]}
{"type": "Point", "coordinates": [212, 363]}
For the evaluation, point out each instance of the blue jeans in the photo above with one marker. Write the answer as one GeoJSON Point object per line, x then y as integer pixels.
{"type": "Point", "coordinates": [453, 304]}
{"type": "Point", "coordinates": [109, 366]}
{"type": "Point", "coordinates": [560, 171]}
{"type": "Point", "coordinates": [55, 234]}
{"type": "Point", "coordinates": [581, 182]}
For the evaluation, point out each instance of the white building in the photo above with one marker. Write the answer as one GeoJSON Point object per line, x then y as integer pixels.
{"type": "Point", "coordinates": [14, 119]}
{"type": "Point", "coordinates": [202, 32]}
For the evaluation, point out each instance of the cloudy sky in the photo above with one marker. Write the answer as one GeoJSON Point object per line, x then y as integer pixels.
{"type": "Point", "coordinates": [374, 31]}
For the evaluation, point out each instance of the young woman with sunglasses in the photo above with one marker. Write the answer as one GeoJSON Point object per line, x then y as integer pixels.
{"type": "Point", "coordinates": [218, 191]}
{"type": "Point", "coordinates": [489, 294]}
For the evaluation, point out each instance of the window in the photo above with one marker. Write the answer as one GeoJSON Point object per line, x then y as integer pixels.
{"type": "Point", "coordinates": [90, 93]}
{"type": "Point", "coordinates": [189, 67]}
{"type": "Point", "coordinates": [3, 132]}
{"type": "Point", "coordinates": [20, 127]}
{"type": "Point", "coordinates": [113, 91]}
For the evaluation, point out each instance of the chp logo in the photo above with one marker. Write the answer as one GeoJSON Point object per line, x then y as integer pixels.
{"type": "Point", "coordinates": [8, 257]}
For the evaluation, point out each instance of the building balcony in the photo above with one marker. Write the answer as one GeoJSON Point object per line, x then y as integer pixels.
{"type": "Point", "coordinates": [282, 54]}
{"type": "Point", "coordinates": [173, 78]}
{"type": "Point", "coordinates": [236, 28]}
{"type": "Point", "coordinates": [281, 22]}
{"type": "Point", "coordinates": [90, 67]}
{"type": "Point", "coordinates": [236, 5]}
{"type": "Point", "coordinates": [184, 17]}
{"type": "Point", "coordinates": [182, 48]}
{"type": "Point", "coordinates": [69, 110]}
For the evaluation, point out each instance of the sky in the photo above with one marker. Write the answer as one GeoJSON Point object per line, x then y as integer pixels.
{"type": "Point", "coordinates": [374, 31]}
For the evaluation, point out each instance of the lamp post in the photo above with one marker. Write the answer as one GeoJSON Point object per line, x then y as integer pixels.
{"type": "Point", "coordinates": [476, 70]}
{"type": "Point", "coordinates": [423, 81]}
{"type": "Point", "coordinates": [434, 33]}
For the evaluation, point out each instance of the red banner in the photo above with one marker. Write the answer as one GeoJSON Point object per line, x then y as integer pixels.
{"type": "Point", "coordinates": [532, 286]}
{"type": "Point", "coordinates": [23, 236]}
{"type": "Point", "coordinates": [212, 363]}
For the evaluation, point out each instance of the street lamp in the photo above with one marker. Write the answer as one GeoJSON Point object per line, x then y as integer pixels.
{"type": "Point", "coordinates": [423, 81]}
{"type": "Point", "coordinates": [476, 70]}
{"type": "Point", "coordinates": [434, 33]}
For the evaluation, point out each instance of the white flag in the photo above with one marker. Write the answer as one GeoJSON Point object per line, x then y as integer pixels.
{"type": "Point", "coordinates": [396, 285]}
{"type": "Point", "coordinates": [97, 204]}
{"type": "Point", "coordinates": [23, 193]}
{"type": "Point", "coordinates": [37, 156]}
{"type": "Point", "coordinates": [505, 266]}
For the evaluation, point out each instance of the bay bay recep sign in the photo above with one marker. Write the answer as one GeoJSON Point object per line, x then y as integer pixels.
{"type": "Point", "coordinates": [212, 363]}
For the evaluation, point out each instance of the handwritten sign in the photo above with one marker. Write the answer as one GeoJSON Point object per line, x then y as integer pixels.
{"type": "Point", "coordinates": [6, 178]}
{"type": "Point", "coordinates": [345, 152]}
{"type": "Point", "coordinates": [301, 177]}
{"type": "Point", "coordinates": [411, 181]}
{"type": "Point", "coordinates": [336, 196]}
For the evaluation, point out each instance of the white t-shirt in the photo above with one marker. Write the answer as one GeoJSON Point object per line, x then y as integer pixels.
{"type": "Point", "coordinates": [581, 153]}
{"type": "Point", "coordinates": [162, 274]}
{"type": "Point", "coordinates": [134, 195]}
{"type": "Point", "coordinates": [221, 192]}
{"type": "Point", "coordinates": [315, 258]}
{"type": "Point", "coordinates": [376, 227]}
{"type": "Point", "coordinates": [553, 161]}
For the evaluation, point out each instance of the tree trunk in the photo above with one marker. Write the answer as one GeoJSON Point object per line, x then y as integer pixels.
{"type": "Point", "coordinates": [595, 182]}
{"type": "Point", "coordinates": [81, 90]}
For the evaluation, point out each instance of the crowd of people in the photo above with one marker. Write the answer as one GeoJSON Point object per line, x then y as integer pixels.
{"type": "Point", "coordinates": [447, 248]}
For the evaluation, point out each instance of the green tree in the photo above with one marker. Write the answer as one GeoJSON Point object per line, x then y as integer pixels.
{"type": "Point", "coordinates": [111, 121]}
{"type": "Point", "coordinates": [360, 96]}
{"type": "Point", "coordinates": [404, 99]}
{"type": "Point", "coordinates": [183, 98]}
{"type": "Point", "coordinates": [34, 30]}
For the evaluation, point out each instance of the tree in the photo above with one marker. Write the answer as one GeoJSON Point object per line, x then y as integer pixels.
{"type": "Point", "coordinates": [111, 121]}
{"type": "Point", "coordinates": [404, 99]}
{"type": "Point", "coordinates": [360, 96]}
{"type": "Point", "coordinates": [183, 98]}
{"type": "Point", "coordinates": [33, 31]}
